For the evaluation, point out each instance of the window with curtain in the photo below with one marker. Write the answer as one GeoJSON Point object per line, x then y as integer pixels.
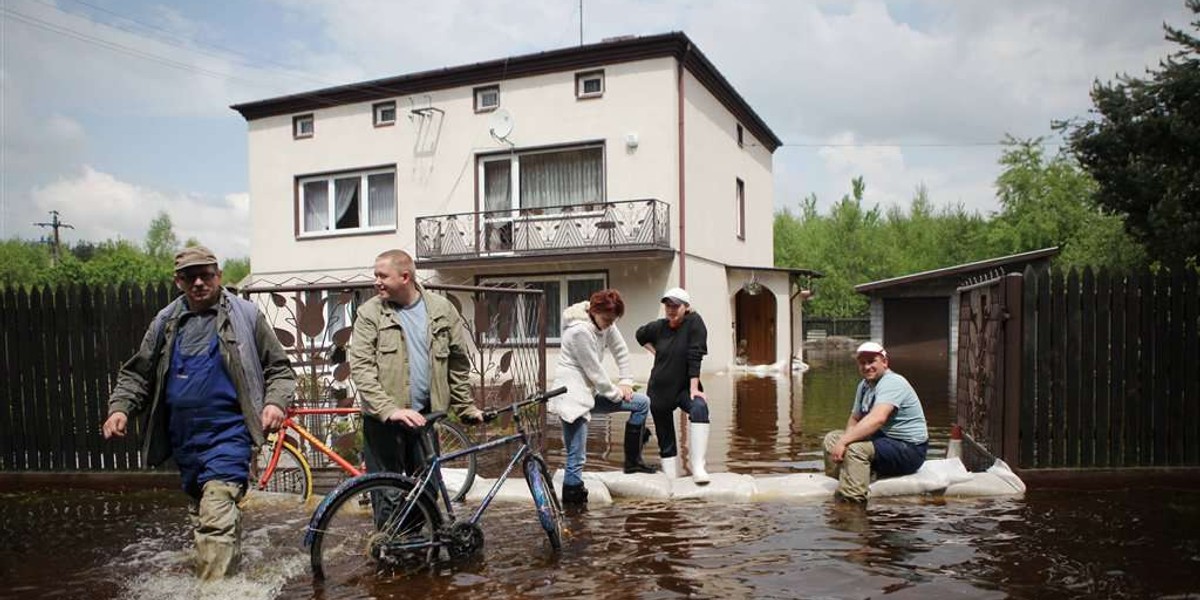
{"type": "Point", "coordinates": [561, 291]}
{"type": "Point", "coordinates": [566, 177]}
{"type": "Point", "coordinates": [348, 202]}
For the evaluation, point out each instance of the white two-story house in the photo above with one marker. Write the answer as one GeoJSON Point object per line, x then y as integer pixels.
{"type": "Point", "coordinates": [630, 163]}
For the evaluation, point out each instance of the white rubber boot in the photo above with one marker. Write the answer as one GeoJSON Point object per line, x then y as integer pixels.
{"type": "Point", "coordinates": [697, 446]}
{"type": "Point", "coordinates": [670, 467]}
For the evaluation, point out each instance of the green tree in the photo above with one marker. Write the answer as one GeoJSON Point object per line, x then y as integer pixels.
{"type": "Point", "coordinates": [117, 262]}
{"type": "Point", "coordinates": [1048, 201]}
{"type": "Point", "coordinates": [161, 241]}
{"type": "Point", "coordinates": [235, 270]}
{"type": "Point", "coordinates": [24, 263]}
{"type": "Point", "coordinates": [1143, 149]}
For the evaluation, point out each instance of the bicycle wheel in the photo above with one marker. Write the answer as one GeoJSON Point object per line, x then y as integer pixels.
{"type": "Point", "coordinates": [356, 534]}
{"type": "Point", "coordinates": [451, 439]}
{"type": "Point", "coordinates": [292, 475]}
{"type": "Point", "coordinates": [548, 509]}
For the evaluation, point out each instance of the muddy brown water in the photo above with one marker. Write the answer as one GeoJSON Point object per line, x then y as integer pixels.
{"type": "Point", "coordinates": [1121, 543]}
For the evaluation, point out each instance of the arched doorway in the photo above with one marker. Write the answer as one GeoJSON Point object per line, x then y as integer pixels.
{"type": "Point", "coordinates": [755, 326]}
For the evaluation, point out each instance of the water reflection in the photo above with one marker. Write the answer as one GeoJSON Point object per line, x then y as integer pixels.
{"type": "Point", "coordinates": [1050, 544]}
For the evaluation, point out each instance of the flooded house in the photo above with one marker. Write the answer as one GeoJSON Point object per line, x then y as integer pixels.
{"type": "Point", "coordinates": [631, 163]}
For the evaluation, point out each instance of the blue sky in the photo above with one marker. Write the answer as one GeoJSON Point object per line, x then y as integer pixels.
{"type": "Point", "coordinates": [111, 110]}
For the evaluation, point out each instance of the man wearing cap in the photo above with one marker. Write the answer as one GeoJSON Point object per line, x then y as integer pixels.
{"type": "Point", "coordinates": [678, 343]}
{"type": "Point", "coordinates": [886, 432]}
{"type": "Point", "coordinates": [214, 378]}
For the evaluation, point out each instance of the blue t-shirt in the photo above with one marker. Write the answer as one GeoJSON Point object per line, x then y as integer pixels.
{"type": "Point", "coordinates": [907, 422]}
{"type": "Point", "coordinates": [414, 320]}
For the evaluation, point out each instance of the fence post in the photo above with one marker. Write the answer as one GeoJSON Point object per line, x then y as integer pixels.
{"type": "Point", "coordinates": [1013, 290]}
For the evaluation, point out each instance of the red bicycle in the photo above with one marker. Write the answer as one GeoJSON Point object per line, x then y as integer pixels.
{"type": "Point", "coordinates": [282, 466]}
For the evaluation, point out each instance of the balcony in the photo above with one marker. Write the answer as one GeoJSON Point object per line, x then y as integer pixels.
{"type": "Point", "coordinates": [600, 229]}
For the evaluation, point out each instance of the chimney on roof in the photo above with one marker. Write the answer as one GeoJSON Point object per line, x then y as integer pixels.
{"type": "Point", "coordinates": [617, 38]}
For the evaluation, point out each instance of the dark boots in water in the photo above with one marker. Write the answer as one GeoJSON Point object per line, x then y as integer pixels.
{"type": "Point", "coordinates": [634, 439]}
{"type": "Point", "coordinates": [574, 494]}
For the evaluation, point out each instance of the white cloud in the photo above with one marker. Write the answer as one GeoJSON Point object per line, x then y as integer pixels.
{"type": "Point", "coordinates": [101, 207]}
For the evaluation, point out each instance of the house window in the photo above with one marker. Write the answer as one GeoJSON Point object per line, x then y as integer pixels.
{"type": "Point", "coordinates": [740, 217]}
{"type": "Point", "coordinates": [740, 135]}
{"type": "Point", "coordinates": [539, 179]}
{"type": "Point", "coordinates": [385, 113]}
{"type": "Point", "coordinates": [561, 291]}
{"type": "Point", "coordinates": [589, 85]}
{"type": "Point", "coordinates": [353, 202]}
{"type": "Point", "coordinates": [302, 126]}
{"type": "Point", "coordinates": [487, 98]}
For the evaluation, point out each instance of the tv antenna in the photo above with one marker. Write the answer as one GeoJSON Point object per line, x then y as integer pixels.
{"type": "Point", "coordinates": [500, 125]}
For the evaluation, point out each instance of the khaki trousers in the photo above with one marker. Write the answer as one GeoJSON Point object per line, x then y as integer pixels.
{"type": "Point", "coordinates": [854, 472]}
{"type": "Point", "coordinates": [217, 528]}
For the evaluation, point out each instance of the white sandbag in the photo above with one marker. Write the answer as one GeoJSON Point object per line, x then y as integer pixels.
{"type": "Point", "coordinates": [922, 482]}
{"type": "Point", "coordinates": [951, 468]}
{"type": "Point", "coordinates": [998, 480]}
{"type": "Point", "coordinates": [654, 486]}
{"type": "Point", "coordinates": [598, 493]}
{"type": "Point", "coordinates": [514, 490]}
{"type": "Point", "coordinates": [799, 486]}
{"type": "Point", "coordinates": [454, 479]}
{"type": "Point", "coordinates": [722, 487]}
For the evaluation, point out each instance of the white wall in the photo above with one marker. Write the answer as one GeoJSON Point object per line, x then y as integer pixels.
{"type": "Point", "coordinates": [435, 157]}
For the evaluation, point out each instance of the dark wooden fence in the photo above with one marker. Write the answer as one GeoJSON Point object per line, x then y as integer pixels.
{"type": "Point", "coordinates": [61, 352]}
{"type": "Point", "coordinates": [1082, 369]}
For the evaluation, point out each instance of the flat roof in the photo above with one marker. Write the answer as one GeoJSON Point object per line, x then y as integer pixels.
{"type": "Point", "coordinates": [789, 270]}
{"type": "Point", "coordinates": [957, 270]}
{"type": "Point", "coordinates": [626, 49]}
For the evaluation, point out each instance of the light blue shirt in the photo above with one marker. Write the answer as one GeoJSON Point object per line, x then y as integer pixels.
{"type": "Point", "coordinates": [414, 320]}
{"type": "Point", "coordinates": [907, 422]}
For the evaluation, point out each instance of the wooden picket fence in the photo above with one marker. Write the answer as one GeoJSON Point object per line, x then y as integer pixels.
{"type": "Point", "coordinates": [62, 350]}
{"type": "Point", "coordinates": [1082, 369]}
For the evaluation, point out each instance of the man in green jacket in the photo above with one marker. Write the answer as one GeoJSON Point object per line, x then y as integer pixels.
{"type": "Point", "coordinates": [408, 358]}
{"type": "Point", "coordinates": [214, 378]}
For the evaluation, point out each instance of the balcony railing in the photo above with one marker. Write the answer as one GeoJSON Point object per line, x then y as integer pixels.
{"type": "Point", "coordinates": [624, 225]}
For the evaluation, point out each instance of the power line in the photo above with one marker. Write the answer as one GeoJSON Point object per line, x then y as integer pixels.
{"type": "Point", "coordinates": [911, 145]}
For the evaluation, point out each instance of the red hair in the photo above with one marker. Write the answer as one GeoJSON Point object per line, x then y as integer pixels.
{"type": "Point", "coordinates": [608, 302]}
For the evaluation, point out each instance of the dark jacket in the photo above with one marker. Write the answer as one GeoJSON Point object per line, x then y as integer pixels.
{"type": "Point", "coordinates": [141, 383]}
{"type": "Point", "coordinates": [677, 356]}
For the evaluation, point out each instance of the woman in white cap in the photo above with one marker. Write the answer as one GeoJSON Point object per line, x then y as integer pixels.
{"type": "Point", "coordinates": [678, 343]}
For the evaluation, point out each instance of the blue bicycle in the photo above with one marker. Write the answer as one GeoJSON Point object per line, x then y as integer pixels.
{"type": "Point", "coordinates": [393, 523]}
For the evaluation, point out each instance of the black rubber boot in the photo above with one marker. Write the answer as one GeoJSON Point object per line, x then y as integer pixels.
{"type": "Point", "coordinates": [633, 449]}
{"type": "Point", "coordinates": [574, 494]}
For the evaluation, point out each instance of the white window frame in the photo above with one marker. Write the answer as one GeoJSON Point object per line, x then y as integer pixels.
{"type": "Point", "coordinates": [377, 110]}
{"type": "Point", "coordinates": [331, 200]}
{"type": "Point", "coordinates": [514, 172]}
{"type": "Point", "coordinates": [553, 334]}
{"type": "Point", "coordinates": [581, 80]}
{"type": "Point", "coordinates": [298, 122]}
{"type": "Point", "coordinates": [481, 92]}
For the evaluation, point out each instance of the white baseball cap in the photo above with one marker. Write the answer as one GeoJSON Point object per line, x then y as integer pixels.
{"type": "Point", "coordinates": [678, 295]}
{"type": "Point", "coordinates": [870, 348]}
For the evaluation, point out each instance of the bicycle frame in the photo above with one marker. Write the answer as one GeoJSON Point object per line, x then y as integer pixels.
{"type": "Point", "coordinates": [291, 423]}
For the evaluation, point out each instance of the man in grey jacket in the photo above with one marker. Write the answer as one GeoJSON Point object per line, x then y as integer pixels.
{"type": "Point", "coordinates": [214, 378]}
{"type": "Point", "coordinates": [408, 357]}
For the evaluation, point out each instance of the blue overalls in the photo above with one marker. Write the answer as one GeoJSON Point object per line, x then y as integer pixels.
{"type": "Point", "coordinates": [208, 432]}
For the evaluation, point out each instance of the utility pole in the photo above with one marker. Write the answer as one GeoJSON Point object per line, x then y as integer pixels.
{"type": "Point", "coordinates": [580, 22]}
{"type": "Point", "coordinates": [55, 224]}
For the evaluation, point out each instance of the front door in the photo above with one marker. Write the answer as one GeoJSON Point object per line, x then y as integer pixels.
{"type": "Point", "coordinates": [755, 343]}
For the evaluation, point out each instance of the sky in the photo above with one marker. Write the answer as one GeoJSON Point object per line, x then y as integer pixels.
{"type": "Point", "coordinates": [114, 110]}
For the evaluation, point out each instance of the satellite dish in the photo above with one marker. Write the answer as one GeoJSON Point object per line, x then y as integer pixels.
{"type": "Point", "coordinates": [500, 125]}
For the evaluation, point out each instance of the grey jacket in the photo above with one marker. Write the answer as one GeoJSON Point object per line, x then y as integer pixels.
{"type": "Point", "coordinates": [379, 359]}
{"type": "Point", "coordinates": [141, 382]}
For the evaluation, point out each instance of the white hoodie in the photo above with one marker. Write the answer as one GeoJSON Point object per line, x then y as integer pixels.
{"type": "Point", "coordinates": [580, 365]}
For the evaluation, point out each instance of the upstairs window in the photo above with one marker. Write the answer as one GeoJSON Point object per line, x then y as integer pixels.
{"type": "Point", "coordinates": [385, 113]}
{"type": "Point", "coordinates": [740, 210]}
{"type": "Point", "coordinates": [353, 202]}
{"type": "Point", "coordinates": [741, 135]}
{"type": "Point", "coordinates": [487, 98]}
{"type": "Point", "coordinates": [537, 179]}
{"type": "Point", "coordinates": [589, 85]}
{"type": "Point", "coordinates": [302, 126]}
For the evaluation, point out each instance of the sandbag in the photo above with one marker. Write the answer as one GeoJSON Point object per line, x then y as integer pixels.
{"type": "Point", "coordinates": [799, 486]}
{"type": "Point", "coordinates": [998, 480]}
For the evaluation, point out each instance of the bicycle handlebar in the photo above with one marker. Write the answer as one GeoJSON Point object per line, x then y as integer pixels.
{"type": "Point", "coordinates": [491, 415]}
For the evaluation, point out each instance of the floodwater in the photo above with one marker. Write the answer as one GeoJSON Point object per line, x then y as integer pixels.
{"type": "Point", "coordinates": [1048, 544]}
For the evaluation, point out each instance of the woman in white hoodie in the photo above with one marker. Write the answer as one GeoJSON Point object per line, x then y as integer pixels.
{"type": "Point", "coordinates": [589, 332]}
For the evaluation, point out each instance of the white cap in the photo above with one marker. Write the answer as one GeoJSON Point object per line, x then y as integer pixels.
{"type": "Point", "coordinates": [870, 348]}
{"type": "Point", "coordinates": [678, 295]}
